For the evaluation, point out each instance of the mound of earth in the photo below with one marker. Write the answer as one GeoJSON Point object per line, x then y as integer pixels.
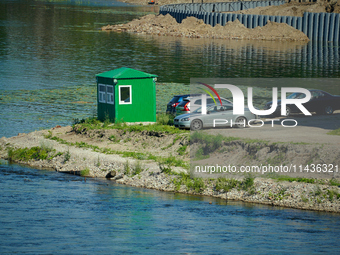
{"type": "Point", "coordinates": [195, 28]}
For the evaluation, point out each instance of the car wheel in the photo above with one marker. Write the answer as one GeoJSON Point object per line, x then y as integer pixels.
{"type": "Point", "coordinates": [196, 125]}
{"type": "Point", "coordinates": [288, 111]}
{"type": "Point", "coordinates": [328, 110]}
{"type": "Point", "coordinates": [241, 122]}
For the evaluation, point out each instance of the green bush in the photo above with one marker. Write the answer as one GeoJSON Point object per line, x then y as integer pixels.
{"type": "Point", "coordinates": [67, 156]}
{"type": "Point", "coordinates": [182, 179]}
{"type": "Point", "coordinates": [248, 183]}
{"type": "Point", "coordinates": [208, 143]}
{"type": "Point", "coordinates": [334, 182]}
{"type": "Point", "coordinates": [85, 172]}
{"type": "Point", "coordinates": [25, 154]}
{"type": "Point", "coordinates": [138, 168]}
{"type": "Point", "coordinates": [196, 184]}
{"type": "Point", "coordinates": [296, 179]}
{"type": "Point", "coordinates": [164, 119]}
{"type": "Point", "coordinates": [162, 125]}
{"type": "Point", "coordinates": [127, 168]}
{"type": "Point", "coordinates": [228, 184]}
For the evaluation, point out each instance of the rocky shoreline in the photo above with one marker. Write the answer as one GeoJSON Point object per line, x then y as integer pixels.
{"type": "Point", "coordinates": [72, 152]}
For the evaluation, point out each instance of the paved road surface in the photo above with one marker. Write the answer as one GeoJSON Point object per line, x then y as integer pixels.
{"type": "Point", "coordinates": [310, 129]}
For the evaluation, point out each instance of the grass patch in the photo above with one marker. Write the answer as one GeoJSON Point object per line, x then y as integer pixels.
{"type": "Point", "coordinates": [127, 168]}
{"type": "Point", "coordinates": [49, 135]}
{"type": "Point", "coordinates": [304, 199]}
{"type": "Point", "coordinates": [195, 184]}
{"type": "Point", "coordinates": [317, 191]}
{"type": "Point", "coordinates": [163, 124]}
{"type": "Point", "coordinates": [296, 179]}
{"type": "Point", "coordinates": [277, 159]}
{"type": "Point", "coordinates": [334, 182]}
{"type": "Point", "coordinates": [85, 172]}
{"type": "Point", "coordinates": [182, 150]}
{"type": "Point", "coordinates": [98, 162]}
{"type": "Point", "coordinates": [173, 142]}
{"type": "Point", "coordinates": [67, 156]}
{"type": "Point", "coordinates": [114, 139]}
{"type": "Point", "coordinates": [182, 179]}
{"type": "Point", "coordinates": [136, 155]}
{"type": "Point", "coordinates": [334, 132]}
{"type": "Point", "coordinates": [226, 184]}
{"type": "Point", "coordinates": [333, 194]}
{"type": "Point", "coordinates": [166, 164]}
{"type": "Point", "coordinates": [55, 155]}
{"type": "Point", "coordinates": [165, 119]}
{"type": "Point", "coordinates": [25, 154]}
{"type": "Point", "coordinates": [211, 143]}
{"type": "Point", "coordinates": [138, 168]}
{"type": "Point", "coordinates": [281, 194]}
{"type": "Point", "coordinates": [229, 184]}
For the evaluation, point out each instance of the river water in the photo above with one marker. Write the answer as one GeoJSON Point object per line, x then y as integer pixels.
{"type": "Point", "coordinates": [49, 55]}
{"type": "Point", "coordinates": [44, 212]}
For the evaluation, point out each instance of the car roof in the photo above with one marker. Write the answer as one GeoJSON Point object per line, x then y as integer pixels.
{"type": "Point", "coordinates": [218, 105]}
{"type": "Point", "coordinates": [186, 95]}
{"type": "Point", "coordinates": [199, 95]}
{"type": "Point", "coordinates": [189, 95]}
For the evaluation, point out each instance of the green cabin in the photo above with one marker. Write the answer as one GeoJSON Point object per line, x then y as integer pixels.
{"type": "Point", "coordinates": [126, 95]}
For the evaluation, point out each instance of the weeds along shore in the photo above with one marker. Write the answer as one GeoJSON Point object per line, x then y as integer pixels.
{"type": "Point", "coordinates": [157, 156]}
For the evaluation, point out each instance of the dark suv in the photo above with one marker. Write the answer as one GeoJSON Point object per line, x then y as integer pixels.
{"type": "Point", "coordinates": [171, 106]}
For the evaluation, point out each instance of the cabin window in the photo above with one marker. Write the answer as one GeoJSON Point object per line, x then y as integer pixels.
{"type": "Point", "coordinates": [125, 96]}
{"type": "Point", "coordinates": [109, 94]}
{"type": "Point", "coordinates": [102, 93]}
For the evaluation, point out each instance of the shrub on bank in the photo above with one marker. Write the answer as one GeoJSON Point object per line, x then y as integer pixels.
{"type": "Point", "coordinates": [164, 124]}
{"type": "Point", "coordinates": [25, 154]}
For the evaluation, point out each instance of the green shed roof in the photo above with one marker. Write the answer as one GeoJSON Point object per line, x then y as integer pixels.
{"type": "Point", "coordinates": [125, 73]}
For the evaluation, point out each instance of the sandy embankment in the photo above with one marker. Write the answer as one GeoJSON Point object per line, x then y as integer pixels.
{"type": "Point", "coordinates": [195, 28]}
{"type": "Point", "coordinates": [89, 153]}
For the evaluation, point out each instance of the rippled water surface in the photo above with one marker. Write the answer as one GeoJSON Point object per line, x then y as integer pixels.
{"type": "Point", "coordinates": [46, 212]}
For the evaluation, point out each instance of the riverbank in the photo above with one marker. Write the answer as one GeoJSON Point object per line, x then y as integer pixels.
{"type": "Point", "coordinates": [195, 28]}
{"type": "Point", "coordinates": [140, 157]}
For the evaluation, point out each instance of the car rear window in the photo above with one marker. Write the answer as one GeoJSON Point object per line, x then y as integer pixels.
{"type": "Point", "coordinates": [174, 99]}
{"type": "Point", "coordinates": [198, 101]}
{"type": "Point", "coordinates": [183, 103]}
